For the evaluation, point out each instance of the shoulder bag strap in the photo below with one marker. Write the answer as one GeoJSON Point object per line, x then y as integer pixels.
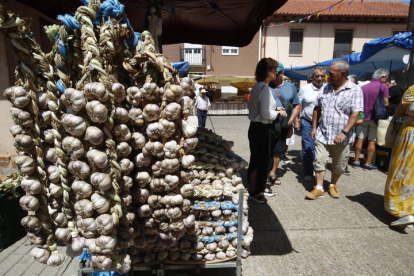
{"type": "Point", "coordinates": [380, 93]}
{"type": "Point", "coordinates": [280, 97]}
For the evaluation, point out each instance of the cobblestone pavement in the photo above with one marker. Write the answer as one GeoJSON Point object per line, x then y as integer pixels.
{"type": "Point", "coordinates": [293, 236]}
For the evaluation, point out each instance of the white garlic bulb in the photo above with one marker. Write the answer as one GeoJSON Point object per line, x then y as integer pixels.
{"type": "Point", "coordinates": [39, 254]}
{"type": "Point", "coordinates": [36, 238]}
{"type": "Point", "coordinates": [123, 149]}
{"type": "Point", "coordinates": [45, 118]}
{"type": "Point", "coordinates": [189, 144]}
{"type": "Point", "coordinates": [24, 142]}
{"type": "Point", "coordinates": [105, 244]}
{"type": "Point", "coordinates": [187, 190]}
{"type": "Point", "coordinates": [96, 91]}
{"type": "Point", "coordinates": [79, 169]}
{"type": "Point", "coordinates": [55, 259]}
{"type": "Point", "coordinates": [137, 140]}
{"type": "Point", "coordinates": [121, 115]}
{"type": "Point", "coordinates": [63, 234]}
{"type": "Point", "coordinates": [171, 181]}
{"type": "Point", "coordinates": [87, 227]}
{"type": "Point", "coordinates": [100, 203]}
{"type": "Point", "coordinates": [73, 147]}
{"type": "Point", "coordinates": [17, 96]}
{"type": "Point", "coordinates": [118, 90]}
{"type": "Point", "coordinates": [154, 130]}
{"type": "Point", "coordinates": [104, 224]}
{"type": "Point", "coordinates": [171, 149]}
{"type": "Point", "coordinates": [150, 91]}
{"type": "Point", "coordinates": [140, 195]}
{"type": "Point", "coordinates": [74, 125]}
{"type": "Point", "coordinates": [101, 181]}
{"type": "Point", "coordinates": [145, 210]}
{"type": "Point", "coordinates": [26, 164]}
{"type": "Point", "coordinates": [49, 153]}
{"type": "Point", "coordinates": [42, 99]}
{"type": "Point", "coordinates": [187, 161]}
{"type": "Point", "coordinates": [186, 107]}
{"type": "Point", "coordinates": [173, 213]}
{"type": "Point", "coordinates": [170, 165]}
{"type": "Point", "coordinates": [142, 161]}
{"type": "Point", "coordinates": [126, 166]}
{"type": "Point", "coordinates": [173, 93]}
{"type": "Point", "coordinates": [121, 133]}
{"type": "Point", "coordinates": [142, 178]}
{"type": "Point", "coordinates": [31, 185]}
{"type": "Point", "coordinates": [32, 224]}
{"type": "Point", "coordinates": [172, 111]}
{"type": "Point", "coordinates": [151, 112]}
{"type": "Point", "coordinates": [97, 158]}
{"type": "Point", "coordinates": [168, 128]}
{"type": "Point", "coordinates": [94, 135]}
{"type": "Point", "coordinates": [48, 136]}
{"type": "Point", "coordinates": [84, 208]}
{"type": "Point", "coordinates": [55, 190]}
{"type": "Point", "coordinates": [153, 149]}
{"type": "Point", "coordinates": [188, 130]}
{"type": "Point", "coordinates": [29, 203]}
{"type": "Point", "coordinates": [21, 117]}
{"type": "Point", "coordinates": [82, 189]}
{"type": "Point", "coordinates": [16, 129]}
{"type": "Point", "coordinates": [136, 117]}
{"type": "Point", "coordinates": [172, 199]}
{"type": "Point", "coordinates": [97, 111]}
{"type": "Point", "coordinates": [73, 99]}
{"type": "Point", "coordinates": [134, 96]}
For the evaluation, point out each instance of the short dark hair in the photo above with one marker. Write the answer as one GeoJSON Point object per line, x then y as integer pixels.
{"type": "Point", "coordinates": [263, 67]}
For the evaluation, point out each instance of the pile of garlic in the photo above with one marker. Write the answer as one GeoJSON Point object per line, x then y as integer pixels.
{"type": "Point", "coordinates": [113, 165]}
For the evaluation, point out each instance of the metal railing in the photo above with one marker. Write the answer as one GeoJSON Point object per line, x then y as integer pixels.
{"type": "Point", "coordinates": [194, 56]}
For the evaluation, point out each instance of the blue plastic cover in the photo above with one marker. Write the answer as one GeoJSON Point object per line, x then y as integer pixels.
{"type": "Point", "coordinates": [182, 68]}
{"type": "Point", "coordinates": [385, 53]}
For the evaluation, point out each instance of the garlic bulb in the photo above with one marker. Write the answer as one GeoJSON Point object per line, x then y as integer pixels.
{"type": "Point", "coordinates": [189, 221]}
{"type": "Point", "coordinates": [187, 161]}
{"type": "Point", "coordinates": [210, 257]}
{"type": "Point", "coordinates": [73, 147]}
{"type": "Point", "coordinates": [171, 149]}
{"type": "Point", "coordinates": [39, 254]}
{"type": "Point", "coordinates": [127, 219]}
{"type": "Point", "coordinates": [104, 224]}
{"type": "Point", "coordinates": [100, 203]}
{"type": "Point", "coordinates": [96, 91]}
{"type": "Point", "coordinates": [26, 164]}
{"type": "Point", "coordinates": [124, 265]}
{"type": "Point", "coordinates": [173, 213]}
{"type": "Point", "coordinates": [172, 112]}
{"type": "Point", "coordinates": [153, 149]}
{"type": "Point", "coordinates": [16, 129]}
{"type": "Point", "coordinates": [156, 169]}
{"type": "Point", "coordinates": [186, 107]}
{"type": "Point", "coordinates": [142, 178]}
{"type": "Point", "coordinates": [48, 136]}
{"type": "Point", "coordinates": [150, 91]}
{"type": "Point", "coordinates": [188, 130]}
{"type": "Point", "coordinates": [155, 201]}
{"type": "Point", "coordinates": [55, 190]}
{"type": "Point", "coordinates": [55, 259]}
{"type": "Point", "coordinates": [87, 227]}
{"type": "Point", "coordinates": [187, 190]}
{"type": "Point", "coordinates": [42, 99]}
{"type": "Point", "coordinates": [145, 210]}
{"type": "Point", "coordinates": [31, 185]}
{"type": "Point", "coordinates": [94, 135]}
{"type": "Point", "coordinates": [137, 140]}
{"type": "Point", "coordinates": [173, 93]}
{"type": "Point", "coordinates": [171, 181]}
{"type": "Point", "coordinates": [197, 257]}
{"type": "Point", "coordinates": [21, 117]}
{"type": "Point", "coordinates": [157, 184]}
{"type": "Point", "coordinates": [37, 238]}
{"type": "Point", "coordinates": [207, 231]}
{"type": "Point", "coordinates": [121, 115]}
{"type": "Point", "coordinates": [24, 143]}
{"type": "Point", "coordinates": [126, 183]}
{"type": "Point", "coordinates": [82, 189]}
{"type": "Point", "coordinates": [74, 125]}
{"type": "Point", "coordinates": [212, 247]}
{"type": "Point", "coordinates": [101, 181]}
{"type": "Point", "coordinates": [121, 133]}
{"type": "Point", "coordinates": [136, 117]}
{"type": "Point", "coordinates": [84, 208]}
{"type": "Point", "coordinates": [29, 203]}
{"type": "Point", "coordinates": [32, 224]}
{"type": "Point", "coordinates": [105, 244]}
{"type": "Point", "coordinates": [154, 130]}
{"type": "Point", "coordinates": [45, 118]}
{"type": "Point", "coordinates": [142, 161]}
{"type": "Point", "coordinates": [73, 99]}
{"type": "Point", "coordinates": [134, 96]}
{"type": "Point", "coordinates": [50, 154]}
{"type": "Point", "coordinates": [170, 165]}
{"type": "Point", "coordinates": [168, 128]}
{"type": "Point", "coordinates": [126, 166]}
{"type": "Point", "coordinates": [17, 96]}
{"type": "Point", "coordinates": [221, 255]}
{"type": "Point", "coordinates": [97, 111]}
{"type": "Point", "coordinates": [63, 234]}
{"type": "Point", "coordinates": [172, 199]}
{"type": "Point", "coordinates": [151, 112]}
{"type": "Point", "coordinates": [98, 158]}
{"type": "Point", "coordinates": [140, 195]}
{"type": "Point", "coordinates": [118, 90]}
{"type": "Point", "coordinates": [123, 149]}
{"type": "Point", "coordinates": [79, 169]}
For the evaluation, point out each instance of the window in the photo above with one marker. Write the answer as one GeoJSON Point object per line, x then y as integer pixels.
{"type": "Point", "coordinates": [296, 41]}
{"type": "Point", "coordinates": [230, 51]}
{"type": "Point", "coordinates": [343, 43]}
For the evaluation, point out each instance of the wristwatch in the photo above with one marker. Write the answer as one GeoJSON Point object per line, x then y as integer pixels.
{"type": "Point", "coordinates": [345, 132]}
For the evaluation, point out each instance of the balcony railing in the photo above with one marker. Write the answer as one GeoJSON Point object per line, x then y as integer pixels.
{"type": "Point", "coordinates": [194, 56]}
{"type": "Point", "coordinates": [341, 53]}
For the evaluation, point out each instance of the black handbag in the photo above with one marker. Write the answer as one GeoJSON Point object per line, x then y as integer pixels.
{"type": "Point", "coordinates": [380, 109]}
{"type": "Point", "coordinates": [282, 121]}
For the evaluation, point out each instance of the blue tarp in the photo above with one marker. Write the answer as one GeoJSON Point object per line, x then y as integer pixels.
{"type": "Point", "coordinates": [182, 68]}
{"type": "Point", "coordinates": [385, 53]}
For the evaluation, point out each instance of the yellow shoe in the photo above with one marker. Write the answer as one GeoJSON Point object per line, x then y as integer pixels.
{"type": "Point", "coordinates": [333, 191]}
{"type": "Point", "coordinates": [316, 193]}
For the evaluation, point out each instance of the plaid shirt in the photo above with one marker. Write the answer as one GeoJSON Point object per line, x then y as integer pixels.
{"type": "Point", "coordinates": [336, 109]}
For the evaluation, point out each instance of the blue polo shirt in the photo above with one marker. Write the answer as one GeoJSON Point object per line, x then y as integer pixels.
{"type": "Point", "coordinates": [287, 91]}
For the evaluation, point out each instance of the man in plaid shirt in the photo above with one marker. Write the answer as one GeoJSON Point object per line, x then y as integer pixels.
{"type": "Point", "coordinates": [336, 111]}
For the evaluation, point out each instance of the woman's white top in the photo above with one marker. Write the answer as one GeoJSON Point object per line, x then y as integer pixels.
{"type": "Point", "coordinates": [262, 105]}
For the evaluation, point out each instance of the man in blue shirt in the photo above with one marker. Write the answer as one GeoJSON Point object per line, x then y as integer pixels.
{"type": "Point", "coordinates": [282, 91]}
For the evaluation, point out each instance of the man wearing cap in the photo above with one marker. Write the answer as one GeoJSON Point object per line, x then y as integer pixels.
{"type": "Point", "coordinates": [283, 92]}
{"type": "Point", "coordinates": [202, 105]}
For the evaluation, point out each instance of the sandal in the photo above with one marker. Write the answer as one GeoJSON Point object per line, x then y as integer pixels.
{"type": "Point", "coordinates": [274, 180]}
{"type": "Point", "coordinates": [259, 198]}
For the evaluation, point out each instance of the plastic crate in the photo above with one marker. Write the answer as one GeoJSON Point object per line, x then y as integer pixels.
{"type": "Point", "coordinates": [11, 214]}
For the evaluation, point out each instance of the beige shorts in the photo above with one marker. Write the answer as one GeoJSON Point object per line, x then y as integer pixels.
{"type": "Point", "coordinates": [368, 129]}
{"type": "Point", "coordinates": [339, 154]}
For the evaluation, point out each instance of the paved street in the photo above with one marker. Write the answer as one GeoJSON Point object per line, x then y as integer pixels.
{"type": "Point", "coordinates": [293, 236]}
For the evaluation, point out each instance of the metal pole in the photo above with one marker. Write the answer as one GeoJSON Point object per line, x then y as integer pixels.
{"type": "Point", "coordinates": [211, 122]}
{"type": "Point", "coordinates": [239, 233]}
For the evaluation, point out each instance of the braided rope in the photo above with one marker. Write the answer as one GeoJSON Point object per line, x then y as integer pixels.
{"type": "Point", "coordinates": [214, 205]}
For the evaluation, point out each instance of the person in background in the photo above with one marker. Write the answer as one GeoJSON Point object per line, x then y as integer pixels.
{"type": "Point", "coordinates": [368, 128]}
{"type": "Point", "coordinates": [202, 105]}
{"type": "Point", "coordinates": [337, 108]}
{"type": "Point", "coordinates": [262, 113]}
{"type": "Point", "coordinates": [396, 93]}
{"type": "Point", "coordinates": [307, 96]}
{"type": "Point", "coordinates": [309, 79]}
{"type": "Point", "coordinates": [283, 91]}
{"type": "Point", "coordinates": [399, 188]}
{"type": "Point", "coordinates": [210, 93]}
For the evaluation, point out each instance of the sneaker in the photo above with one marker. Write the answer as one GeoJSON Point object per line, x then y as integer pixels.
{"type": "Point", "coordinates": [286, 160]}
{"type": "Point", "coordinates": [308, 178]}
{"type": "Point", "coordinates": [369, 167]}
{"type": "Point", "coordinates": [403, 221]}
{"type": "Point", "coordinates": [315, 194]}
{"type": "Point", "coordinates": [269, 192]}
{"type": "Point", "coordinates": [356, 164]}
{"type": "Point", "coordinates": [347, 172]}
{"type": "Point", "coordinates": [333, 191]}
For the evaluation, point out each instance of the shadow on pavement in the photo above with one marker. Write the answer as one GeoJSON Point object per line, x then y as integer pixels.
{"type": "Point", "coordinates": [269, 236]}
{"type": "Point", "coordinates": [374, 203]}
